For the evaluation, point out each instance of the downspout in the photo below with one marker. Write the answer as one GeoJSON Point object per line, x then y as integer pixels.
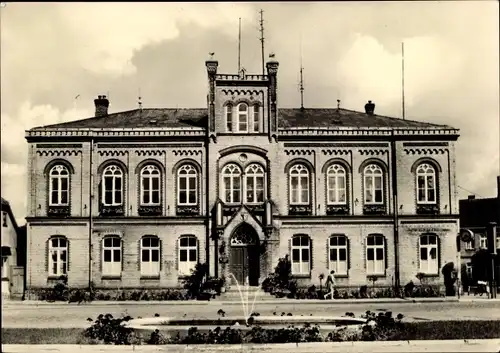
{"type": "Point", "coordinates": [91, 226]}
{"type": "Point", "coordinates": [449, 181]}
{"type": "Point", "coordinates": [395, 209]}
{"type": "Point", "coordinates": [208, 219]}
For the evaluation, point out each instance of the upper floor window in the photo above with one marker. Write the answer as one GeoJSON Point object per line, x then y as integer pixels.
{"type": "Point", "coordinates": [336, 185]}
{"type": "Point", "coordinates": [426, 184]}
{"type": "Point", "coordinates": [111, 256]}
{"type": "Point", "coordinates": [58, 256]}
{"type": "Point", "coordinates": [150, 185]}
{"type": "Point", "coordinates": [468, 245]}
{"type": "Point", "coordinates": [188, 254]}
{"type": "Point", "coordinates": [254, 176]}
{"type": "Point", "coordinates": [4, 219]}
{"type": "Point", "coordinates": [59, 186]}
{"type": "Point", "coordinates": [301, 255]}
{"type": "Point", "coordinates": [232, 183]}
{"type": "Point", "coordinates": [242, 117]}
{"type": "Point", "coordinates": [338, 253]}
{"type": "Point", "coordinates": [187, 191]}
{"type": "Point", "coordinates": [429, 254]}
{"type": "Point", "coordinates": [483, 241]}
{"type": "Point", "coordinates": [375, 254]}
{"type": "Point", "coordinates": [112, 191]}
{"type": "Point", "coordinates": [299, 184]}
{"type": "Point", "coordinates": [256, 118]}
{"type": "Point", "coordinates": [373, 184]}
{"type": "Point", "coordinates": [150, 256]}
{"type": "Point", "coordinates": [229, 118]}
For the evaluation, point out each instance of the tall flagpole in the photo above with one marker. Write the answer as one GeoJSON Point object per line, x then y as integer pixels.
{"type": "Point", "coordinates": [239, 47]}
{"type": "Point", "coordinates": [403, 77]}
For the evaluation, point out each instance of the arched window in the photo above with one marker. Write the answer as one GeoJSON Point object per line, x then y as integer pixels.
{"type": "Point", "coordinates": [58, 256]}
{"type": "Point", "coordinates": [59, 186]}
{"type": "Point", "coordinates": [232, 183]}
{"type": "Point", "coordinates": [150, 256]}
{"type": "Point", "coordinates": [373, 184]}
{"type": "Point", "coordinates": [429, 254]}
{"type": "Point", "coordinates": [112, 182]}
{"type": "Point", "coordinates": [254, 176]}
{"type": "Point", "coordinates": [187, 191]}
{"type": "Point", "coordinates": [426, 184]}
{"type": "Point", "coordinates": [301, 255]}
{"type": "Point", "coordinates": [375, 254]}
{"type": "Point", "coordinates": [188, 254]}
{"type": "Point", "coordinates": [242, 117]}
{"type": "Point", "coordinates": [338, 252]}
{"type": "Point", "coordinates": [336, 185]}
{"type": "Point", "coordinates": [299, 185]}
{"type": "Point", "coordinates": [111, 256]}
{"type": "Point", "coordinates": [229, 118]}
{"type": "Point", "coordinates": [256, 118]}
{"type": "Point", "coordinates": [150, 185]}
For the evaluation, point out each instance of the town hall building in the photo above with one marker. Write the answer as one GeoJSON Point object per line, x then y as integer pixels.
{"type": "Point", "coordinates": [136, 199]}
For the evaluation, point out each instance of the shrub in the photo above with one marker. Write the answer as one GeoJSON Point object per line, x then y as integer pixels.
{"type": "Point", "coordinates": [281, 283]}
{"type": "Point", "coordinates": [109, 330]}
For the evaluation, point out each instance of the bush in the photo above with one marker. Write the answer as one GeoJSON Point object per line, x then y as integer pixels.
{"type": "Point", "coordinates": [109, 330]}
{"type": "Point", "coordinates": [281, 283]}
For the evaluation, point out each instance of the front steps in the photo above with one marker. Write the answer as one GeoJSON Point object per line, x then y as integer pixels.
{"type": "Point", "coordinates": [233, 294]}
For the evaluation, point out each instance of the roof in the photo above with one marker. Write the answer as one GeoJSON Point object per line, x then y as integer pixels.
{"type": "Point", "coordinates": [287, 118]}
{"type": "Point", "coordinates": [479, 212]}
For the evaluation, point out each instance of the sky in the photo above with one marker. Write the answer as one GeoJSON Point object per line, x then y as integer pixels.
{"type": "Point", "coordinates": [54, 52]}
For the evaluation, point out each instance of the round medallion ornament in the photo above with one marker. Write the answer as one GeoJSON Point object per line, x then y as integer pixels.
{"type": "Point", "coordinates": [243, 157]}
{"type": "Point", "coordinates": [466, 235]}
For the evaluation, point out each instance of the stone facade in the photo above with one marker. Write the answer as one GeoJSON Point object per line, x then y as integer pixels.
{"type": "Point", "coordinates": [280, 198]}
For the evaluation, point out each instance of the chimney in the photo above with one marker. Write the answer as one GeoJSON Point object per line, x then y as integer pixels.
{"type": "Point", "coordinates": [101, 106]}
{"type": "Point", "coordinates": [369, 108]}
{"type": "Point", "coordinates": [471, 197]}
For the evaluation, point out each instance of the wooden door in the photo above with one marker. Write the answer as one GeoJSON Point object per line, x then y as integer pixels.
{"type": "Point", "coordinates": [253, 265]}
{"type": "Point", "coordinates": [239, 263]}
{"type": "Point", "coordinates": [17, 287]}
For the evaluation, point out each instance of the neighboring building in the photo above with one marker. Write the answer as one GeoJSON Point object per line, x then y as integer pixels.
{"type": "Point", "coordinates": [135, 199]}
{"type": "Point", "coordinates": [13, 254]}
{"type": "Point", "coordinates": [475, 215]}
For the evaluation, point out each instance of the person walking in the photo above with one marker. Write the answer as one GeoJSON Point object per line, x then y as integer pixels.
{"type": "Point", "coordinates": [330, 284]}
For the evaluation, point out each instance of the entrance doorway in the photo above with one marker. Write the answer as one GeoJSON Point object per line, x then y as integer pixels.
{"type": "Point", "coordinates": [244, 257]}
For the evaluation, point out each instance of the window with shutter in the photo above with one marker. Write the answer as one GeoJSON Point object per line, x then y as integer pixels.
{"type": "Point", "coordinates": [301, 254]}
{"type": "Point", "coordinates": [150, 256]}
{"type": "Point", "coordinates": [57, 256]}
{"type": "Point", "coordinates": [429, 254]}
{"type": "Point", "coordinates": [338, 254]}
{"type": "Point", "coordinates": [376, 254]}
{"type": "Point", "coordinates": [112, 256]}
{"type": "Point", "coordinates": [188, 254]}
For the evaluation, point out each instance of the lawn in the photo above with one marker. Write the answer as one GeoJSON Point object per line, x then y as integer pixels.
{"type": "Point", "coordinates": [429, 330]}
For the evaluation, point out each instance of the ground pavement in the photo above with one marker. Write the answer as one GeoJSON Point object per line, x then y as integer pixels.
{"type": "Point", "coordinates": [19, 314]}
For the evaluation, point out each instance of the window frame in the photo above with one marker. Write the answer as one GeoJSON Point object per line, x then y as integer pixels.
{"type": "Point", "coordinates": [242, 115]}
{"type": "Point", "coordinates": [58, 178]}
{"type": "Point", "coordinates": [150, 268]}
{"type": "Point", "coordinates": [4, 219]}
{"type": "Point", "coordinates": [61, 265]}
{"type": "Point", "coordinates": [425, 174]}
{"type": "Point", "coordinates": [374, 247]}
{"type": "Point", "coordinates": [337, 249]}
{"type": "Point", "coordinates": [336, 175]}
{"type": "Point", "coordinates": [151, 191]}
{"type": "Point", "coordinates": [432, 265]}
{"type": "Point", "coordinates": [304, 265]}
{"type": "Point", "coordinates": [189, 167]}
{"type": "Point", "coordinates": [233, 172]}
{"type": "Point", "coordinates": [483, 239]}
{"type": "Point", "coordinates": [258, 173]}
{"type": "Point", "coordinates": [113, 190]}
{"type": "Point", "coordinates": [112, 269]}
{"type": "Point", "coordinates": [376, 172]}
{"type": "Point", "coordinates": [295, 172]}
{"type": "Point", "coordinates": [186, 269]}
{"type": "Point", "coordinates": [229, 117]}
{"type": "Point", "coordinates": [256, 118]}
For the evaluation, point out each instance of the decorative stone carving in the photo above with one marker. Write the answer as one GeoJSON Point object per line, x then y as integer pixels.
{"type": "Point", "coordinates": [374, 209]}
{"type": "Point", "coordinates": [58, 153]}
{"type": "Point", "coordinates": [150, 210]}
{"type": "Point", "coordinates": [187, 152]}
{"type": "Point", "coordinates": [111, 211]}
{"type": "Point", "coordinates": [428, 209]}
{"type": "Point", "coordinates": [113, 153]}
{"type": "Point", "coordinates": [300, 209]}
{"type": "Point", "coordinates": [150, 153]}
{"type": "Point", "coordinates": [373, 152]}
{"type": "Point", "coordinates": [335, 152]}
{"type": "Point", "coordinates": [59, 211]}
{"type": "Point", "coordinates": [337, 210]}
{"type": "Point", "coordinates": [424, 151]}
{"type": "Point", "coordinates": [298, 152]}
{"type": "Point", "coordinates": [188, 210]}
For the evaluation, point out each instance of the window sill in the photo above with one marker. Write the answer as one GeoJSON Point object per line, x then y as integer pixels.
{"type": "Point", "coordinates": [378, 275]}
{"type": "Point", "coordinates": [150, 278]}
{"type": "Point", "coordinates": [5, 279]}
{"type": "Point", "coordinates": [427, 275]}
{"type": "Point", "coordinates": [55, 278]}
{"type": "Point", "coordinates": [340, 276]}
{"type": "Point", "coordinates": [182, 276]}
{"type": "Point", "coordinates": [300, 275]}
{"type": "Point", "coordinates": [111, 277]}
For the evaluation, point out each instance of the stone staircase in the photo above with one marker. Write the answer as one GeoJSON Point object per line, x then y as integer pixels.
{"type": "Point", "coordinates": [233, 294]}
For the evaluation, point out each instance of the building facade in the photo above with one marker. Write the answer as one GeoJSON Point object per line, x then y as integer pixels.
{"type": "Point", "coordinates": [475, 216]}
{"type": "Point", "coordinates": [13, 254]}
{"type": "Point", "coordinates": [135, 199]}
